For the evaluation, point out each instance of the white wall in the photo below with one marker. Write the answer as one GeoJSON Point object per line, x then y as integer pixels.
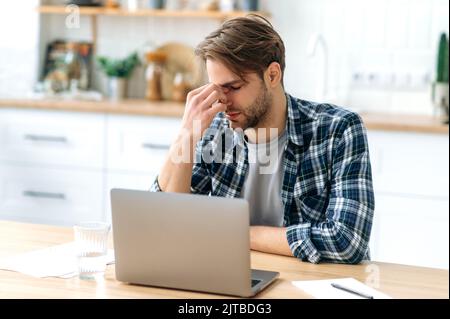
{"type": "Point", "coordinates": [19, 38]}
{"type": "Point", "coordinates": [394, 40]}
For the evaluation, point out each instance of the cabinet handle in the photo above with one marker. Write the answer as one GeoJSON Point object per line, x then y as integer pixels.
{"type": "Point", "coordinates": [153, 146]}
{"type": "Point", "coordinates": [37, 194]}
{"type": "Point", "coordinates": [46, 138]}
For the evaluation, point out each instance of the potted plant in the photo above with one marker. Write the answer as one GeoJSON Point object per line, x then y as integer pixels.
{"type": "Point", "coordinates": [118, 71]}
{"type": "Point", "coordinates": [440, 86]}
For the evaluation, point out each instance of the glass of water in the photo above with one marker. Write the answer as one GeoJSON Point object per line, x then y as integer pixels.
{"type": "Point", "coordinates": [91, 242]}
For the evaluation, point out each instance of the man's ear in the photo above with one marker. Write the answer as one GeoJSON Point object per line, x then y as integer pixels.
{"type": "Point", "coordinates": [274, 74]}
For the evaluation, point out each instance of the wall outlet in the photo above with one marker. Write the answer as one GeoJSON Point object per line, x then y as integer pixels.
{"type": "Point", "coordinates": [387, 80]}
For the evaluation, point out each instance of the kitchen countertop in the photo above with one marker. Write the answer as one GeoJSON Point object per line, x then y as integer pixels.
{"type": "Point", "coordinates": [404, 122]}
{"type": "Point", "coordinates": [373, 121]}
{"type": "Point", "coordinates": [129, 106]}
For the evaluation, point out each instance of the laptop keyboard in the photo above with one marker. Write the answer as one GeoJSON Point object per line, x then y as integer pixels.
{"type": "Point", "coordinates": [255, 282]}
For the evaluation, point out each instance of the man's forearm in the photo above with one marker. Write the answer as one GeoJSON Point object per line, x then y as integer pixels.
{"type": "Point", "coordinates": [176, 173]}
{"type": "Point", "coordinates": [269, 240]}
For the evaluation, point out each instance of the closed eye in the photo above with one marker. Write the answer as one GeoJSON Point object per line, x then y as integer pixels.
{"type": "Point", "coordinates": [233, 86]}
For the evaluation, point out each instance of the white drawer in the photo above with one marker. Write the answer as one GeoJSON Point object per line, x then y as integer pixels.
{"type": "Point", "coordinates": [126, 181]}
{"type": "Point", "coordinates": [55, 138]}
{"type": "Point", "coordinates": [408, 163]}
{"type": "Point", "coordinates": [139, 143]}
{"type": "Point", "coordinates": [50, 196]}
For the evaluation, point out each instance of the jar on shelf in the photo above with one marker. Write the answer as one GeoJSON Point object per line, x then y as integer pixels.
{"type": "Point", "coordinates": [73, 66]}
{"type": "Point", "coordinates": [72, 61]}
{"type": "Point", "coordinates": [153, 75]}
{"type": "Point", "coordinates": [180, 88]}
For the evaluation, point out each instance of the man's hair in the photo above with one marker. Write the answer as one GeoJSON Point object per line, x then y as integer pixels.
{"type": "Point", "coordinates": [244, 45]}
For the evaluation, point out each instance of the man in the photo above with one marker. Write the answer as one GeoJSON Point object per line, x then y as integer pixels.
{"type": "Point", "coordinates": [316, 203]}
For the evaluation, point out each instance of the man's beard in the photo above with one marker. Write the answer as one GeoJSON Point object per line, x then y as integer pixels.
{"type": "Point", "coordinates": [257, 112]}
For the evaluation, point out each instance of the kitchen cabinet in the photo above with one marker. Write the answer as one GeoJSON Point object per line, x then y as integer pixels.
{"type": "Point", "coordinates": [59, 167]}
{"type": "Point", "coordinates": [50, 195]}
{"type": "Point", "coordinates": [411, 230]}
{"type": "Point", "coordinates": [129, 180]}
{"type": "Point", "coordinates": [52, 138]}
{"type": "Point", "coordinates": [51, 166]}
{"type": "Point", "coordinates": [137, 148]}
{"type": "Point", "coordinates": [139, 143]}
{"type": "Point", "coordinates": [410, 175]}
{"type": "Point", "coordinates": [410, 163]}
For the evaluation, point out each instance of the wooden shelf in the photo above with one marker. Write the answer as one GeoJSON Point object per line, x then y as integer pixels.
{"type": "Point", "coordinates": [97, 11]}
{"type": "Point", "coordinates": [94, 12]}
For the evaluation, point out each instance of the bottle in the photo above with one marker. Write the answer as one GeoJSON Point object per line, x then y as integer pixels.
{"type": "Point", "coordinates": [84, 67]}
{"type": "Point", "coordinates": [72, 62]}
{"type": "Point", "coordinates": [180, 88]}
{"type": "Point", "coordinates": [153, 75]}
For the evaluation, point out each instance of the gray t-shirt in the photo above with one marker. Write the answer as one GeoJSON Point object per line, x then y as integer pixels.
{"type": "Point", "coordinates": [262, 186]}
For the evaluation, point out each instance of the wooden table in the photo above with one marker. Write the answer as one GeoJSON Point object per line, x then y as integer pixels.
{"type": "Point", "coordinates": [398, 281]}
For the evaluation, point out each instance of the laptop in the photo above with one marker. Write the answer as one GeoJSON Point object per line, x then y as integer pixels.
{"type": "Point", "coordinates": [184, 241]}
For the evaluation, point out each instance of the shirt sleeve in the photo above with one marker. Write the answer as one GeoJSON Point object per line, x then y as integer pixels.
{"type": "Point", "coordinates": [344, 236]}
{"type": "Point", "coordinates": [155, 186]}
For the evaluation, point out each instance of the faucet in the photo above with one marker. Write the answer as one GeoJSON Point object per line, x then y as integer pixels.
{"type": "Point", "coordinates": [317, 40]}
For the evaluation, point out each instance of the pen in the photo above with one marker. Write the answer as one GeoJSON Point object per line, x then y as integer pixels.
{"type": "Point", "coordinates": [337, 286]}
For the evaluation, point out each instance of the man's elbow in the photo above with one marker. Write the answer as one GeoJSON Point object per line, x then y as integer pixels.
{"type": "Point", "coordinates": [350, 253]}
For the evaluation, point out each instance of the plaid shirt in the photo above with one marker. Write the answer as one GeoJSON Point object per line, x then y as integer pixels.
{"type": "Point", "coordinates": [327, 189]}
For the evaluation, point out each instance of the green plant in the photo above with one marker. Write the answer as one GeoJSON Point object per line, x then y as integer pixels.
{"type": "Point", "coordinates": [442, 60]}
{"type": "Point", "coordinates": [121, 68]}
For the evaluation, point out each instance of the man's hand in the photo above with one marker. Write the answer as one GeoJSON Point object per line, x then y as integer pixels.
{"type": "Point", "coordinates": [201, 106]}
{"type": "Point", "coordinates": [269, 240]}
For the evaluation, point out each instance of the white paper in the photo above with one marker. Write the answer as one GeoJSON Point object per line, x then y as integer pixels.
{"type": "Point", "coordinates": [322, 289]}
{"type": "Point", "coordinates": [56, 261]}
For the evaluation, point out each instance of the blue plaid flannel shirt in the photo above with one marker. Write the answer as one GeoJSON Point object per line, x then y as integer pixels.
{"type": "Point", "coordinates": [327, 188]}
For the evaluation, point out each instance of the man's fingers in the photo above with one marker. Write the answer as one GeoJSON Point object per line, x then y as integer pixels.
{"type": "Point", "coordinates": [208, 90]}
{"type": "Point", "coordinates": [197, 90]}
{"type": "Point", "coordinates": [213, 97]}
{"type": "Point", "coordinates": [216, 108]}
